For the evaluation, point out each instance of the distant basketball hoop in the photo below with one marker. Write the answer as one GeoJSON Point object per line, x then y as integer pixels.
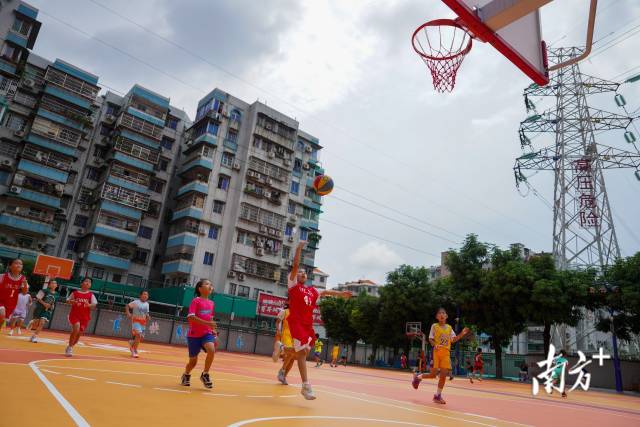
{"type": "Point", "coordinates": [53, 267]}
{"type": "Point", "coordinates": [442, 44]}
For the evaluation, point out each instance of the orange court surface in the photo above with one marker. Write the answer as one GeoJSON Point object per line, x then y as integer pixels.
{"type": "Point", "coordinates": [101, 385]}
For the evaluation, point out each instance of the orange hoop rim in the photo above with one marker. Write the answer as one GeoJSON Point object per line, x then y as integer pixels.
{"type": "Point", "coordinates": [443, 23]}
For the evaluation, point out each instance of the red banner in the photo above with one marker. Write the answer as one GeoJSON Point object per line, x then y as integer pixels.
{"type": "Point", "coordinates": [269, 305]}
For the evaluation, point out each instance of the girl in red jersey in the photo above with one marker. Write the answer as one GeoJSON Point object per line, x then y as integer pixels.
{"type": "Point", "coordinates": [10, 284]}
{"type": "Point", "coordinates": [302, 302]}
{"type": "Point", "coordinates": [82, 302]}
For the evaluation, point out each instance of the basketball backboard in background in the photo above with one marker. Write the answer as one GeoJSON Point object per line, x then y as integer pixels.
{"type": "Point", "coordinates": [512, 27]}
{"type": "Point", "coordinates": [54, 267]}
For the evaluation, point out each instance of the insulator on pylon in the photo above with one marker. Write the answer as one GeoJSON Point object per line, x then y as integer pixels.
{"type": "Point", "coordinates": [620, 101]}
{"type": "Point", "coordinates": [629, 137]}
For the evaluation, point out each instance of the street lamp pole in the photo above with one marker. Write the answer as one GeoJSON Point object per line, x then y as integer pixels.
{"type": "Point", "coordinates": [616, 359]}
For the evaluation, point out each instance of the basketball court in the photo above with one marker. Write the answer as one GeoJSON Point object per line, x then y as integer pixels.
{"type": "Point", "coordinates": [101, 385]}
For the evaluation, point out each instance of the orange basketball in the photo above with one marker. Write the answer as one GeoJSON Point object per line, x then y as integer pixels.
{"type": "Point", "coordinates": [323, 184]}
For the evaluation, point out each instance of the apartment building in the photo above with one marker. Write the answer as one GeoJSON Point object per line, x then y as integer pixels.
{"type": "Point", "coordinates": [243, 199]}
{"type": "Point", "coordinates": [356, 287]}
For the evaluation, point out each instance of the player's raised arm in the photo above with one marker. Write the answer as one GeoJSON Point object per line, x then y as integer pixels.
{"type": "Point", "coordinates": [296, 264]}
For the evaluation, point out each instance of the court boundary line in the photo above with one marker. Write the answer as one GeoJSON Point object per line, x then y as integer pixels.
{"type": "Point", "coordinates": [68, 407]}
{"type": "Point", "coordinates": [326, 417]}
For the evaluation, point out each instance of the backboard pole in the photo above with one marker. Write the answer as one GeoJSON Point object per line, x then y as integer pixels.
{"type": "Point", "coordinates": [589, 44]}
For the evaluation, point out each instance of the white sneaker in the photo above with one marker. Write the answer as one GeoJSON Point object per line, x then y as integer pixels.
{"type": "Point", "coordinates": [19, 331]}
{"type": "Point", "coordinates": [11, 332]}
{"type": "Point", "coordinates": [282, 378]}
{"type": "Point", "coordinates": [68, 351]}
{"type": "Point", "coordinates": [307, 392]}
{"type": "Point", "coordinates": [34, 338]}
{"type": "Point", "coordinates": [135, 354]}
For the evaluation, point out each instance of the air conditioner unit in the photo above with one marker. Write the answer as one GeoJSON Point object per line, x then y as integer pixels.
{"type": "Point", "coordinates": [236, 165]}
{"type": "Point", "coordinates": [293, 219]}
{"type": "Point", "coordinates": [306, 166]}
{"type": "Point", "coordinates": [231, 274]}
{"type": "Point", "coordinates": [308, 149]}
{"type": "Point", "coordinates": [98, 160]}
{"type": "Point", "coordinates": [287, 162]}
{"type": "Point", "coordinates": [18, 179]}
{"type": "Point", "coordinates": [15, 189]}
{"type": "Point", "coordinates": [28, 83]}
{"type": "Point", "coordinates": [267, 194]}
{"type": "Point", "coordinates": [202, 233]}
{"type": "Point", "coordinates": [269, 181]}
{"type": "Point", "coordinates": [251, 173]}
{"type": "Point", "coordinates": [290, 239]}
{"type": "Point", "coordinates": [19, 133]}
{"type": "Point", "coordinates": [110, 118]}
{"type": "Point", "coordinates": [59, 188]}
{"type": "Point", "coordinates": [263, 229]}
{"type": "Point", "coordinates": [288, 263]}
{"type": "Point", "coordinates": [241, 277]}
{"type": "Point", "coordinates": [80, 255]}
{"type": "Point", "coordinates": [259, 251]}
{"type": "Point", "coordinates": [278, 233]}
{"type": "Point", "coordinates": [271, 154]}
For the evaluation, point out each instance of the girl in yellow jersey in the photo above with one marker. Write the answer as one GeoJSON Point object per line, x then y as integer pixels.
{"type": "Point", "coordinates": [441, 336]}
{"type": "Point", "coordinates": [286, 345]}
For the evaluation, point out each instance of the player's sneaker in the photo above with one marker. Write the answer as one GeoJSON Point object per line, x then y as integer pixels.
{"type": "Point", "coordinates": [11, 332]}
{"type": "Point", "coordinates": [307, 392]}
{"type": "Point", "coordinates": [276, 352]}
{"type": "Point", "coordinates": [282, 378]}
{"type": "Point", "coordinates": [564, 394]}
{"type": "Point", "coordinates": [438, 399]}
{"type": "Point", "coordinates": [471, 379]}
{"type": "Point", "coordinates": [416, 380]}
{"type": "Point", "coordinates": [185, 380]}
{"type": "Point", "coordinates": [34, 338]}
{"type": "Point", "coordinates": [135, 354]}
{"type": "Point", "coordinates": [206, 380]}
{"type": "Point", "coordinates": [68, 351]}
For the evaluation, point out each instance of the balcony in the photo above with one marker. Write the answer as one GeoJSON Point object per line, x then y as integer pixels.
{"type": "Point", "coordinates": [19, 223]}
{"type": "Point", "coordinates": [45, 158]}
{"type": "Point", "coordinates": [33, 196]}
{"type": "Point", "coordinates": [127, 184]}
{"type": "Point", "coordinates": [312, 204]}
{"type": "Point", "coordinates": [200, 164]}
{"type": "Point", "coordinates": [182, 239]}
{"type": "Point", "coordinates": [45, 143]}
{"type": "Point", "coordinates": [54, 117]}
{"type": "Point", "coordinates": [43, 171]}
{"type": "Point", "coordinates": [73, 80]}
{"type": "Point", "coordinates": [205, 140]}
{"type": "Point", "coordinates": [178, 266]}
{"type": "Point", "coordinates": [149, 96]}
{"type": "Point", "coordinates": [141, 126]}
{"type": "Point", "coordinates": [120, 210]}
{"type": "Point", "coordinates": [105, 260]}
{"type": "Point", "coordinates": [17, 38]}
{"type": "Point", "coordinates": [125, 196]}
{"type": "Point", "coordinates": [196, 186]}
{"type": "Point", "coordinates": [115, 233]}
{"type": "Point", "coordinates": [63, 94]}
{"type": "Point", "coordinates": [231, 145]}
{"type": "Point", "coordinates": [273, 137]}
{"type": "Point", "coordinates": [187, 213]}
{"type": "Point", "coordinates": [130, 161]}
{"type": "Point", "coordinates": [140, 140]}
{"type": "Point", "coordinates": [145, 116]}
{"type": "Point", "coordinates": [310, 224]}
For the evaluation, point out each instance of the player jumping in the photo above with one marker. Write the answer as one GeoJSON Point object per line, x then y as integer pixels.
{"type": "Point", "coordinates": [441, 336]}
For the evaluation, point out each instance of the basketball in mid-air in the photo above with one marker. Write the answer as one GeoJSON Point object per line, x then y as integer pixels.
{"type": "Point", "coordinates": [323, 184]}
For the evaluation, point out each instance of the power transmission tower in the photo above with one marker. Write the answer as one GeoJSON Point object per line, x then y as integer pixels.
{"type": "Point", "coordinates": [583, 230]}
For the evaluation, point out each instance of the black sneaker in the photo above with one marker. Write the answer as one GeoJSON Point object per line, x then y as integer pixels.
{"type": "Point", "coordinates": [206, 380]}
{"type": "Point", "coordinates": [186, 380]}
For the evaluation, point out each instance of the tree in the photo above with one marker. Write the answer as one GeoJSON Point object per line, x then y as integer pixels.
{"type": "Point", "coordinates": [365, 320]}
{"type": "Point", "coordinates": [619, 294]}
{"type": "Point", "coordinates": [557, 296]}
{"type": "Point", "coordinates": [336, 313]}
{"type": "Point", "coordinates": [492, 288]}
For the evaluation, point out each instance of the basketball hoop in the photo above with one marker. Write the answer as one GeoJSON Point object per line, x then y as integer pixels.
{"type": "Point", "coordinates": [442, 44]}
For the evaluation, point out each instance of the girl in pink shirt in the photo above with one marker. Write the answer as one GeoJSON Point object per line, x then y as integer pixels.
{"type": "Point", "coordinates": [202, 333]}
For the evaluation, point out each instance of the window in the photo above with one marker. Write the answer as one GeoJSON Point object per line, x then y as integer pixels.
{"type": "Point", "coordinates": [93, 174]}
{"type": "Point", "coordinates": [256, 292]}
{"type": "Point", "coordinates": [163, 164]}
{"type": "Point", "coordinates": [22, 27]}
{"type": "Point", "coordinates": [232, 136]}
{"type": "Point", "coordinates": [322, 279]}
{"type": "Point", "coordinates": [223, 182]}
{"type": "Point", "coordinates": [213, 231]}
{"type": "Point", "coordinates": [235, 115]}
{"type": "Point", "coordinates": [167, 143]}
{"type": "Point", "coordinates": [218, 206]}
{"type": "Point", "coordinates": [156, 185]}
{"type": "Point", "coordinates": [4, 177]}
{"type": "Point", "coordinates": [295, 187]}
{"type": "Point", "coordinates": [116, 278]}
{"type": "Point", "coordinates": [15, 121]}
{"type": "Point", "coordinates": [172, 122]}
{"type": "Point", "coordinates": [297, 165]}
{"type": "Point", "coordinates": [145, 232]}
{"type": "Point", "coordinates": [72, 244]}
{"type": "Point", "coordinates": [292, 207]}
{"type": "Point", "coordinates": [212, 128]}
{"type": "Point", "coordinates": [112, 109]}
{"type": "Point", "coordinates": [208, 258]}
{"type": "Point", "coordinates": [288, 230]}
{"type": "Point", "coordinates": [81, 221]}
{"type": "Point", "coordinates": [105, 130]}
{"type": "Point", "coordinates": [227, 159]}
{"type": "Point", "coordinates": [135, 280]}
{"type": "Point", "coordinates": [97, 273]}
{"type": "Point", "coordinates": [286, 252]}
{"type": "Point", "coordinates": [140, 257]}
{"type": "Point", "coordinates": [243, 291]}
{"type": "Point", "coordinates": [304, 234]}
{"type": "Point", "coordinates": [85, 196]}
{"type": "Point", "coordinates": [300, 146]}
{"type": "Point", "coordinates": [10, 52]}
{"type": "Point", "coordinates": [232, 288]}
{"type": "Point", "coordinates": [154, 209]}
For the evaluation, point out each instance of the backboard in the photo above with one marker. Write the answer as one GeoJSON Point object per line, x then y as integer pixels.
{"type": "Point", "coordinates": [512, 27]}
{"type": "Point", "coordinates": [53, 267]}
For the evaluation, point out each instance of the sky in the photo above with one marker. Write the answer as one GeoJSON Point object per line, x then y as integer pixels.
{"type": "Point", "coordinates": [415, 170]}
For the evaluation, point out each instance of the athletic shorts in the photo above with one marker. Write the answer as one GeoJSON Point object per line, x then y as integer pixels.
{"type": "Point", "coordinates": [304, 337]}
{"type": "Point", "coordinates": [83, 322]}
{"type": "Point", "coordinates": [196, 344]}
{"type": "Point", "coordinates": [8, 308]}
{"type": "Point", "coordinates": [477, 367]}
{"type": "Point", "coordinates": [441, 358]}
{"type": "Point", "coordinates": [137, 328]}
{"type": "Point", "coordinates": [316, 353]}
{"type": "Point", "coordinates": [41, 313]}
{"type": "Point", "coordinates": [18, 315]}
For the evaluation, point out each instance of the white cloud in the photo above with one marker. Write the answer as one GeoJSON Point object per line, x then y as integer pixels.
{"type": "Point", "coordinates": [374, 260]}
